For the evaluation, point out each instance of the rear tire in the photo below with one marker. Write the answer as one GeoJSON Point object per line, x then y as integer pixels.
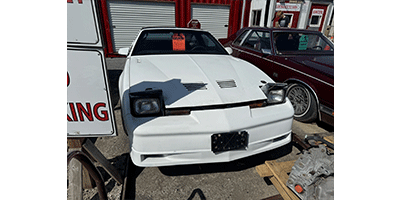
{"type": "Point", "coordinates": [304, 103]}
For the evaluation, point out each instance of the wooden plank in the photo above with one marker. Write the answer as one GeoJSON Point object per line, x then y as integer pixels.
{"type": "Point", "coordinates": [329, 139]}
{"type": "Point", "coordinates": [281, 177]}
{"type": "Point", "coordinates": [92, 150]}
{"type": "Point", "coordinates": [276, 197]}
{"type": "Point", "coordinates": [75, 170]}
{"type": "Point", "coordinates": [87, 180]}
{"type": "Point", "coordinates": [280, 189]}
{"type": "Point", "coordinates": [75, 143]}
{"type": "Point", "coordinates": [75, 180]}
{"type": "Point", "coordinates": [264, 171]}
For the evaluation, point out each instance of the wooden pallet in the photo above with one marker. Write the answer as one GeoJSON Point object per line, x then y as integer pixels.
{"type": "Point", "coordinates": [277, 172]}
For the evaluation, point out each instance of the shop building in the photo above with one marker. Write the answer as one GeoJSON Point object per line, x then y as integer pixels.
{"type": "Point", "coordinates": [122, 19]}
{"type": "Point", "coordinates": [304, 14]}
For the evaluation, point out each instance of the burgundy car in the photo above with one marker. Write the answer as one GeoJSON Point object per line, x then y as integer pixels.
{"type": "Point", "coordinates": [301, 58]}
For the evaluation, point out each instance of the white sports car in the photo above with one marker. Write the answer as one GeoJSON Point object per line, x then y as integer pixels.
{"type": "Point", "coordinates": [185, 100]}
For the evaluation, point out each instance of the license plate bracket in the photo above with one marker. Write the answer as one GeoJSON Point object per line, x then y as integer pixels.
{"type": "Point", "coordinates": [229, 141]}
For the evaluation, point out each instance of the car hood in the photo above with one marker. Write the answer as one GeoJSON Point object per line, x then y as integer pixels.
{"type": "Point", "coordinates": [197, 80]}
{"type": "Point", "coordinates": [323, 64]}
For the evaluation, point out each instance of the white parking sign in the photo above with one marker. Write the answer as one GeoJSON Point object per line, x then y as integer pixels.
{"type": "Point", "coordinates": [89, 110]}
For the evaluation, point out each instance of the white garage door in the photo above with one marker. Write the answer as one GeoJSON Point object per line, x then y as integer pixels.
{"type": "Point", "coordinates": [128, 17]}
{"type": "Point", "coordinates": [213, 18]}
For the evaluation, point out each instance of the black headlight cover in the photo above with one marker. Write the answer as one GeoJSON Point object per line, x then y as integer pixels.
{"type": "Point", "coordinates": [149, 94]}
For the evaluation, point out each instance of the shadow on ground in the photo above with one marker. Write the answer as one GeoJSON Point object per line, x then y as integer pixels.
{"type": "Point", "coordinates": [113, 76]}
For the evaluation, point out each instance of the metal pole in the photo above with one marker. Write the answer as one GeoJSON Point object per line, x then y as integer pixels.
{"type": "Point", "coordinates": [243, 9]}
{"type": "Point", "coordinates": [94, 173]}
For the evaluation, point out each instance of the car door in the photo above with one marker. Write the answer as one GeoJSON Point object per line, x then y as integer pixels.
{"type": "Point", "coordinates": [254, 46]}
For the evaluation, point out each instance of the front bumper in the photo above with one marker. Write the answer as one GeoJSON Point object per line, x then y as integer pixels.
{"type": "Point", "coordinates": [181, 140]}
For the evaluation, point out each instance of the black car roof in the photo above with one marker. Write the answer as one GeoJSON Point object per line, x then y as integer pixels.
{"type": "Point", "coordinates": [281, 29]}
{"type": "Point", "coordinates": [170, 28]}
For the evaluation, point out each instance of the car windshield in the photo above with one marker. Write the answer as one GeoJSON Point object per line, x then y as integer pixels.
{"type": "Point", "coordinates": [177, 42]}
{"type": "Point", "coordinates": [294, 43]}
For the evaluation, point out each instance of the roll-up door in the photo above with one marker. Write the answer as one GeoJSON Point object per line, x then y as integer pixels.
{"type": "Point", "coordinates": [213, 18]}
{"type": "Point", "coordinates": [128, 17]}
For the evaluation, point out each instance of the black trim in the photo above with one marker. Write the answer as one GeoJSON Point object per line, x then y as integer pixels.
{"type": "Point", "coordinates": [157, 94]}
{"type": "Point", "coordinates": [224, 106]}
{"type": "Point", "coordinates": [165, 111]}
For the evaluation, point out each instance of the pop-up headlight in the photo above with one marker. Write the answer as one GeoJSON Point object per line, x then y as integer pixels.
{"type": "Point", "coordinates": [147, 103]}
{"type": "Point", "coordinates": [275, 92]}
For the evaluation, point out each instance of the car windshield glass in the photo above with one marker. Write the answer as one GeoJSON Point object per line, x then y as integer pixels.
{"type": "Point", "coordinates": [177, 42]}
{"type": "Point", "coordinates": [292, 43]}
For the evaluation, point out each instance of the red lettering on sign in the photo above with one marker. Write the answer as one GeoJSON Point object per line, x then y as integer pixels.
{"type": "Point", "coordinates": [318, 12]}
{"type": "Point", "coordinates": [96, 113]}
{"type": "Point", "coordinates": [78, 109]}
{"type": "Point", "coordinates": [87, 112]}
{"type": "Point", "coordinates": [69, 118]}
{"type": "Point", "coordinates": [67, 79]}
{"type": "Point", "coordinates": [73, 112]}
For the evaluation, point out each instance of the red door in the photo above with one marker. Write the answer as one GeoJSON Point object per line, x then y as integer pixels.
{"type": "Point", "coordinates": [316, 18]}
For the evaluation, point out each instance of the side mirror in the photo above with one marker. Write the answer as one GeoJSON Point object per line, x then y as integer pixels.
{"type": "Point", "coordinates": [229, 50]}
{"type": "Point", "coordinates": [266, 52]}
{"type": "Point", "coordinates": [123, 51]}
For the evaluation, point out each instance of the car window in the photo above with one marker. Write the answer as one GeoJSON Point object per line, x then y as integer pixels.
{"type": "Point", "coordinates": [177, 42]}
{"type": "Point", "coordinates": [292, 42]}
{"type": "Point", "coordinates": [258, 40]}
{"type": "Point", "coordinates": [208, 42]}
{"type": "Point", "coordinates": [240, 38]}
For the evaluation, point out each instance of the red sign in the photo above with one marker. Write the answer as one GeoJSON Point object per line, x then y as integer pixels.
{"type": "Point", "coordinates": [294, 7]}
{"type": "Point", "coordinates": [194, 23]}
{"type": "Point", "coordinates": [178, 42]}
{"type": "Point", "coordinates": [317, 12]}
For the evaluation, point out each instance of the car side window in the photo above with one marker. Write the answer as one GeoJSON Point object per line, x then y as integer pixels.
{"type": "Point", "coordinates": [208, 42]}
{"type": "Point", "coordinates": [258, 40]}
{"type": "Point", "coordinates": [240, 38]}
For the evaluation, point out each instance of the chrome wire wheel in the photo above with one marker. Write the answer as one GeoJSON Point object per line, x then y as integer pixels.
{"type": "Point", "coordinates": [300, 99]}
{"type": "Point", "coordinates": [304, 103]}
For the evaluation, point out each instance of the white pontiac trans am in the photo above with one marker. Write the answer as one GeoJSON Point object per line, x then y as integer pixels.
{"type": "Point", "coordinates": [185, 100]}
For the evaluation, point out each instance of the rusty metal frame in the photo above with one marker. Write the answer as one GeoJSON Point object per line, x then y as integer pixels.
{"type": "Point", "coordinates": [94, 173]}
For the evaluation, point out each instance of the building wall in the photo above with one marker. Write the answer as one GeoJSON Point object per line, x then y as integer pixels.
{"type": "Point", "coordinates": [303, 17]}
{"type": "Point", "coordinates": [183, 14]}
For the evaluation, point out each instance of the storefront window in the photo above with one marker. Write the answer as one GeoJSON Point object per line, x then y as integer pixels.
{"type": "Point", "coordinates": [315, 20]}
{"type": "Point", "coordinates": [256, 17]}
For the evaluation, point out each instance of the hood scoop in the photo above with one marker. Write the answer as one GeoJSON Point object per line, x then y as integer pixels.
{"type": "Point", "coordinates": [195, 86]}
{"type": "Point", "coordinates": [227, 84]}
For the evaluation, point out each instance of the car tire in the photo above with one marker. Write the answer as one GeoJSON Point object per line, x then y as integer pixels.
{"type": "Point", "coordinates": [303, 102]}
